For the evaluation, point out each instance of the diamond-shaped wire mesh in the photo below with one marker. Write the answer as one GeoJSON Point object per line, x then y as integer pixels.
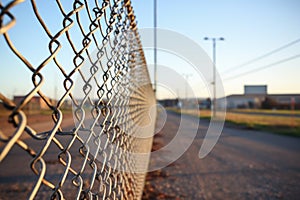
{"type": "Point", "coordinates": [94, 51]}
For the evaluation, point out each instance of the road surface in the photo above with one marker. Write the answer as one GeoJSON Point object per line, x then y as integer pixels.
{"type": "Point", "coordinates": [244, 164]}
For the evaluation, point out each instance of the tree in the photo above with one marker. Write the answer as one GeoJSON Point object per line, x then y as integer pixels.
{"type": "Point", "coordinates": [268, 103]}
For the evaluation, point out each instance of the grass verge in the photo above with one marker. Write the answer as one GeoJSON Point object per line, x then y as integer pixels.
{"type": "Point", "coordinates": [283, 125]}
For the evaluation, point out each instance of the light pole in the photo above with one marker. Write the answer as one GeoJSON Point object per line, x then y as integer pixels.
{"type": "Point", "coordinates": [155, 45]}
{"type": "Point", "coordinates": [214, 70]}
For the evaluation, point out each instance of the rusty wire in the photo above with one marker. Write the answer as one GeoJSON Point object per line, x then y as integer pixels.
{"type": "Point", "coordinates": [93, 159]}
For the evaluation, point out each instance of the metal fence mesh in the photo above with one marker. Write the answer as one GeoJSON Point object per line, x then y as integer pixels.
{"type": "Point", "coordinates": [103, 73]}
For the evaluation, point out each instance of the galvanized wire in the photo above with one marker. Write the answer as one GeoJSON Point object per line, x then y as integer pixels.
{"type": "Point", "coordinates": [95, 159]}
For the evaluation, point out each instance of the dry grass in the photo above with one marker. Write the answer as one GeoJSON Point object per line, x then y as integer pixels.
{"type": "Point", "coordinates": [287, 125]}
{"type": "Point", "coordinates": [263, 120]}
{"type": "Point", "coordinates": [287, 112]}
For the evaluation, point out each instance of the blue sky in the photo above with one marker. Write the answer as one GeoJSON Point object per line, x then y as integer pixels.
{"type": "Point", "coordinates": [250, 27]}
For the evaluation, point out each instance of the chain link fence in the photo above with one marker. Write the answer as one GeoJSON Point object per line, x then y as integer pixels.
{"type": "Point", "coordinates": [95, 54]}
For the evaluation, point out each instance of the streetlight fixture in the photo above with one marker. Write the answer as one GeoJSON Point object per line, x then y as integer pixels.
{"type": "Point", "coordinates": [155, 45]}
{"type": "Point", "coordinates": [214, 70]}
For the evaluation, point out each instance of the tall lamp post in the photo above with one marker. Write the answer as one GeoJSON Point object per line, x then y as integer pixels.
{"type": "Point", "coordinates": [214, 70]}
{"type": "Point", "coordinates": [155, 45]}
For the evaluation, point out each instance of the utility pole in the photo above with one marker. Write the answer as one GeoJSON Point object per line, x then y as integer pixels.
{"type": "Point", "coordinates": [214, 71]}
{"type": "Point", "coordinates": [155, 45]}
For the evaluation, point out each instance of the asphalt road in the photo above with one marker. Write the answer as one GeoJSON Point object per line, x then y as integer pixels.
{"type": "Point", "coordinates": [244, 164]}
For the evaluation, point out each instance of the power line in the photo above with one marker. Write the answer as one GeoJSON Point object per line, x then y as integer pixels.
{"type": "Point", "coordinates": [262, 67]}
{"type": "Point", "coordinates": [262, 56]}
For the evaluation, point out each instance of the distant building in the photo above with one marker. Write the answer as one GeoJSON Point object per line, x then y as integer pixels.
{"type": "Point", "coordinates": [242, 101]}
{"type": "Point", "coordinates": [205, 103]}
{"type": "Point", "coordinates": [189, 103]}
{"type": "Point", "coordinates": [284, 101]}
{"type": "Point", "coordinates": [2, 106]}
{"type": "Point", "coordinates": [36, 103]}
{"type": "Point", "coordinates": [169, 102]}
{"type": "Point", "coordinates": [255, 89]}
{"type": "Point", "coordinates": [256, 97]}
